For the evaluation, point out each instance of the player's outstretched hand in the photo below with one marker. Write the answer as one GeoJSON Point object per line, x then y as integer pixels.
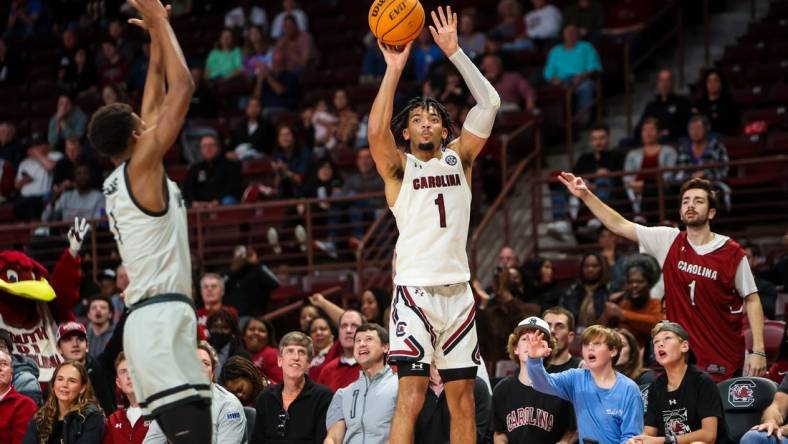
{"type": "Point", "coordinates": [574, 184]}
{"type": "Point", "coordinates": [150, 9]}
{"type": "Point", "coordinates": [141, 21]}
{"type": "Point", "coordinates": [537, 346]}
{"type": "Point", "coordinates": [444, 30]}
{"type": "Point", "coordinates": [395, 57]}
{"type": "Point", "coordinates": [76, 235]}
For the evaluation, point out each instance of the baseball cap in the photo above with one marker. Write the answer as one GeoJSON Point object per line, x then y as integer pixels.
{"type": "Point", "coordinates": [37, 138]}
{"type": "Point", "coordinates": [107, 273]}
{"type": "Point", "coordinates": [533, 322]}
{"type": "Point", "coordinates": [68, 328]}
{"type": "Point", "coordinates": [672, 327]}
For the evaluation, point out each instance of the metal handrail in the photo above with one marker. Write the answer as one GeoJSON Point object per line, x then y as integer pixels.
{"type": "Point", "coordinates": [199, 216]}
{"type": "Point", "coordinates": [289, 308]}
{"type": "Point", "coordinates": [535, 182]}
{"type": "Point", "coordinates": [570, 116]}
{"type": "Point", "coordinates": [506, 142]}
{"type": "Point", "coordinates": [533, 157]}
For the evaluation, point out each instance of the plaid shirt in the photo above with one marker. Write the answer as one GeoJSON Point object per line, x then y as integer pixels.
{"type": "Point", "coordinates": [715, 152]}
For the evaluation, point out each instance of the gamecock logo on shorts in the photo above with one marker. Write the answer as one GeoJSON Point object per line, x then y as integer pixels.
{"type": "Point", "coordinates": [401, 326]}
{"type": "Point", "coordinates": [451, 160]}
{"type": "Point", "coordinates": [742, 394]}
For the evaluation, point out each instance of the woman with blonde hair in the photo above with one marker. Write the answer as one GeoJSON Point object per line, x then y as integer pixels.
{"type": "Point", "coordinates": [71, 414]}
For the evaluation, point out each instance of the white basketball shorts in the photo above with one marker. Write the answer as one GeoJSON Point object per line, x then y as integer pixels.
{"type": "Point", "coordinates": [435, 324]}
{"type": "Point", "coordinates": [160, 343]}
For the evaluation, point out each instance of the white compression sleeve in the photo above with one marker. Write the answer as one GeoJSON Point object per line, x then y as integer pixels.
{"type": "Point", "coordinates": [481, 117]}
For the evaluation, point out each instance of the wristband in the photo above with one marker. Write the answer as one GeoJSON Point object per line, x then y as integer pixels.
{"type": "Point", "coordinates": [758, 353]}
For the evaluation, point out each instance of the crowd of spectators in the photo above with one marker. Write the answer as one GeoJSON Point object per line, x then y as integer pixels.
{"type": "Point", "coordinates": [308, 384]}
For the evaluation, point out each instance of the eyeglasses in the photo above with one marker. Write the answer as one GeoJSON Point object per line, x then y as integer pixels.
{"type": "Point", "coordinates": [281, 428]}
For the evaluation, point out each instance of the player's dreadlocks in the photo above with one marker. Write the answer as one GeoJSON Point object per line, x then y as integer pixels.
{"type": "Point", "coordinates": [400, 121]}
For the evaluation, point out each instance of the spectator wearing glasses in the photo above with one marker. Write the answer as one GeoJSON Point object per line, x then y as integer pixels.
{"type": "Point", "coordinates": [293, 411]}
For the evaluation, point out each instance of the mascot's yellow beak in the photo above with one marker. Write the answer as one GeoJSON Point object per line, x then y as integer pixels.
{"type": "Point", "coordinates": [36, 290]}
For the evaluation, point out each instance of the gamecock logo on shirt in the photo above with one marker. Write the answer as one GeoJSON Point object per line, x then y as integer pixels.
{"type": "Point", "coordinates": [742, 394]}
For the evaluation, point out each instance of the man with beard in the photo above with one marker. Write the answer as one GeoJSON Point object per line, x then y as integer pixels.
{"type": "Point", "coordinates": [427, 178]}
{"type": "Point", "coordinates": [708, 281]}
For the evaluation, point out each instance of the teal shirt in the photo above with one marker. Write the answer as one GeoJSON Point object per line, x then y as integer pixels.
{"type": "Point", "coordinates": [567, 63]}
{"type": "Point", "coordinates": [223, 63]}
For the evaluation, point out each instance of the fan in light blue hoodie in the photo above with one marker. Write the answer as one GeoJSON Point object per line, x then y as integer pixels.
{"type": "Point", "coordinates": [608, 405]}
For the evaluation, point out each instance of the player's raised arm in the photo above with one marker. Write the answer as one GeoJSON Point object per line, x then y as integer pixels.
{"type": "Point", "coordinates": [153, 96]}
{"type": "Point", "coordinates": [609, 217]}
{"type": "Point", "coordinates": [479, 122]}
{"type": "Point", "coordinates": [162, 133]}
{"type": "Point", "coordinates": [388, 159]}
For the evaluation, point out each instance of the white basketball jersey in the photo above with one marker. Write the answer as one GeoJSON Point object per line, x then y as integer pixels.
{"type": "Point", "coordinates": [154, 246]}
{"type": "Point", "coordinates": [433, 211]}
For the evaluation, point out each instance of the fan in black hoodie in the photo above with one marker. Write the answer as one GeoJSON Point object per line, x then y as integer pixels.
{"type": "Point", "coordinates": [71, 414]}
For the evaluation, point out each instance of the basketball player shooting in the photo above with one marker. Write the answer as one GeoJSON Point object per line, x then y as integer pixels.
{"type": "Point", "coordinates": [708, 281]}
{"type": "Point", "coordinates": [148, 218]}
{"type": "Point", "coordinates": [428, 190]}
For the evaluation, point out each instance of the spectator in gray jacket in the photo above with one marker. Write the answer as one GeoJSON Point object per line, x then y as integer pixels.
{"type": "Point", "coordinates": [82, 202]}
{"type": "Point", "coordinates": [229, 420]}
{"type": "Point", "coordinates": [651, 155]}
{"type": "Point", "coordinates": [377, 393]}
{"type": "Point", "coordinates": [25, 370]}
{"type": "Point", "coordinates": [69, 120]}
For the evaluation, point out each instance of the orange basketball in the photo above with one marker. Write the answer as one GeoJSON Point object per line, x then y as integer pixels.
{"type": "Point", "coordinates": [396, 22]}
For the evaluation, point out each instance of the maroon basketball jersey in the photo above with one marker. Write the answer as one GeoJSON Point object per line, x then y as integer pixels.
{"type": "Point", "coordinates": [700, 294]}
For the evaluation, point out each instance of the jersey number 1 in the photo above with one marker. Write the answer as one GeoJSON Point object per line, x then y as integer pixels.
{"type": "Point", "coordinates": [692, 292]}
{"type": "Point", "coordinates": [441, 210]}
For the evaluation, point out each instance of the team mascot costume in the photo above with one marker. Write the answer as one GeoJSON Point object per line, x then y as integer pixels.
{"type": "Point", "coordinates": [33, 302]}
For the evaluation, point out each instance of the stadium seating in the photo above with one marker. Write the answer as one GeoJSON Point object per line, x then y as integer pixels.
{"type": "Point", "coordinates": [743, 402]}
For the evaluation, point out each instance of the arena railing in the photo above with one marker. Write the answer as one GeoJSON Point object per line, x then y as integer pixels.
{"type": "Point", "coordinates": [573, 117]}
{"type": "Point", "coordinates": [498, 217]}
{"type": "Point", "coordinates": [758, 204]}
{"type": "Point", "coordinates": [214, 233]}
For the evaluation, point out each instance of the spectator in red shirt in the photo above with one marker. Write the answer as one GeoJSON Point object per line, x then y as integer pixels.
{"type": "Point", "coordinates": [125, 425]}
{"type": "Point", "coordinates": [343, 370]}
{"type": "Point", "coordinates": [259, 339]}
{"type": "Point", "coordinates": [212, 293]}
{"type": "Point", "coordinates": [515, 92]}
{"type": "Point", "coordinates": [16, 409]}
